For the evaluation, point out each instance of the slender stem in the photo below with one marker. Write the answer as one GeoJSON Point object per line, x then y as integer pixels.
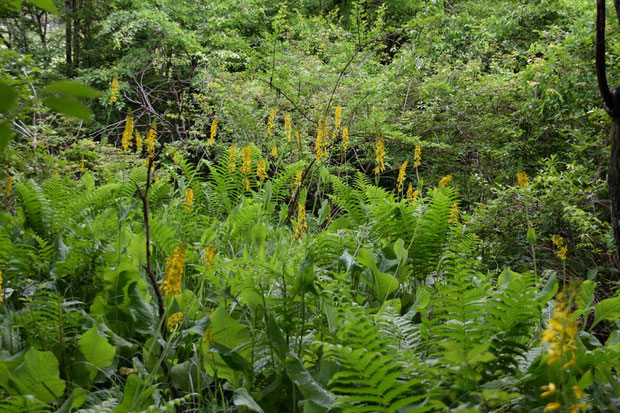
{"type": "Point", "coordinates": [160, 301]}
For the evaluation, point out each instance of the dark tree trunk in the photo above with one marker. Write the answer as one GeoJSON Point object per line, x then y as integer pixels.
{"type": "Point", "coordinates": [76, 34]}
{"type": "Point", "coordinates": [613, 180]}
{"type": "Point", "coordinates": [68, 36]}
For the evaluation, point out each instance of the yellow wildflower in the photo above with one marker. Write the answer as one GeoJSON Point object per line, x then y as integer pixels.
{"type": "Point", "coordinates": [189, 198]}
{"type": "Point", "coordinates": [151, 137]}
{"type": "Point", "coordinates": [454, 214]}
{"type": "Point", "coordinates": [114, 90]}
{"type": "Point", "coordinates": [288, 127]}
{"type": "Point", "coordinates": [417, 156]}
{"type": "Point", "coordinates": [261, 169]}
{"type": "Point", "coordinates": [174, 320]}
{"type": "Point", "coordinates": [445, 180]}
{"type": "Point", "coordinates": [82, 166]}
{"type": "Point", "coordinates": [9, 185]}
{"type": "Point", "coordinates": [174, 272]}
{"type": "Point", "coordinates": [561, 333]}
{"type": "Point", "coordinates": [246, 165]}
{"type": "Point", "coordinates": [319, 145]}
{"type": "Point", "coordinates": [577, 407]}
{"type": "Point", "coordinates": [412, 195]}
{"type": "Point", "coordinates": [337, 120]}
{"type": "Point", "coordinates": [522, 179]}
{"type": "Point", "coordinates": [271, 121]}
{"type": "Point", "coordinates": [209, 256]}
{"type": "Point", "coordinates": [345, 139]}
{"type": "Point", "coordinates": [552, 406]}
{"type": "Point", "coordinates": [549, 390]}
{"type": "Point", "coordinates": [274, 151]}
{"type": "Point", "coordinates": [401, 176]}
{"type": "Point", "coordinates": [211, 139]}
{"type": "Point", "coordinates": [298, 137]}
{"type": "Point", "coordinates": [127, 133]}
{"type": "Point", "coordinates": [380, 155]}
{"type": "Point", "coordinates": [578, 392]}
{"type": "Point", "coordinates": [232, 158]}
{"type": "Point", "coordinates": [302, 225]}
{"type": "Point", "coordinates": [561, 247]}
{"type": "Point", "coordinates": [1, 296]}
{"type": "Point", "coordinates": [138, 142]}
{"type": "Point", "coordinates": [298, 177]}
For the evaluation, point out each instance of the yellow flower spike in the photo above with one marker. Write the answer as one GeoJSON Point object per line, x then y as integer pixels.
{"type": "Point", "coordinates": [412, 195]}
{"type": "Point", "coordinates": [274, 151]}
{"type": "Point", "coordinates": [82, 166]}
{"type": "Point", "coordinates": [9, 185]}
{"type": "Point", "coordinates": [1, 295]}
{"type": "Point", "coordinates": [320, 144]}
{"type": "Point", "coordinates": [523, 180]}
{"type": "Point", "coordinates": [174, 320]}
{"type": "Point", "coordinates": [379, 155]}
{"type": "Point", "coordinates": [454, 214]}
{"type": "Point", "coordinates": [232, 158]}
{"type": "Point", "coordinates": [298, 137]}
{"type": "Point", "coordinates": [189, 198]}
{"type": "Point", "coordinates": [549, 390]}
{"type": "Point", "coordinates": [127, 133]}
{"type": "Point", "coordinates": [209, 256]}
{"type": "Point", "coordinates": [151, 138]}
{"type": "Point", "coordinates": [138, 138]}
{"type": "Point", "coordinates": [302, 225]}
{"type": "Point", "coordinates": [445, 180]}
{"type": "Point", "coordinates": [288, 127]}
{"type": "Point", "coordinates": [345, 139]}
{"type": "Point", "coordinates": [561, 247]}
{"type": "Point", "coordinates": [246, 164]}
{"type": "Point", "coordinates": [114, 90]}
{"type": "Point", "coordinates": [417, 156]}
{"type": "Point", "coordinates": [578, 392]}
{"type": "Point", "coordinates": [174, 272]}
{"type": "Point", "coordinates": [211, 139]}
{"type": "Point", "coordinates": [577, 407]}
{"type": "Point", "coordinates": [401, 176]}
{"type": "Point", "coordinates": [552, 406]}
{"type": "Point", "coordinates": [298, 177]}
{"type": "Point", "coordinates": [572, 362]}
{"type": "Point", "coordinates": [271, 121]}
{"type": "Point", "coordinates": [337, 120]}
{"type": "Point", "coordinates": [261, 170]}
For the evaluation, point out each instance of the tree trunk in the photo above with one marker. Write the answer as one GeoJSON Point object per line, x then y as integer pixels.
{"type": "Point", "coordinates": [613, 180]}
{"type": "Point", "coordinates": [76, 34]}
{"type": "Point", "coordinates": [68, 36]}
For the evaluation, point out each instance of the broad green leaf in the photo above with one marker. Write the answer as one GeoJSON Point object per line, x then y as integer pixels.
{"type": "Point", "coordinates": [8, 97]}
{"type": "Point", "coordinates": [96, 349]}
{"type": "Point", "coordinates": [276, 337]}
{"type": "Point", "coordinates": [606, 310]}
{"type": "Point", "coordinates": [6, 136]}
{"type": "Point", "coordinates": [232, 335]}
{"type": "Point", "coordinates": [47, 5]}
{"type": "Point", "coordinates": [137, 395]}
{"type": "Point", "coordinates": [38, 375]}
{"type": "Point", "coordinates": [382, 284]}
{"type": "Point", "coordinates": [71, 88]}
{"type": "Point", "coordinates": [68, 106]}
{"type": "Point", "coordinates": [144, 316]}
{"type": "Point", "coordinates": [307, 385]}
{"type": "Point", "coordinates": [241, 397]}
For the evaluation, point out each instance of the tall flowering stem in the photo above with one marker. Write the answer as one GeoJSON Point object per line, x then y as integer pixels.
{"type": "Point", "coordinates": [144, 197]}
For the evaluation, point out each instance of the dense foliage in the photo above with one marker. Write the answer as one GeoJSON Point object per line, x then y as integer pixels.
{"type": "Point", "coordinates": [305, 206]}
